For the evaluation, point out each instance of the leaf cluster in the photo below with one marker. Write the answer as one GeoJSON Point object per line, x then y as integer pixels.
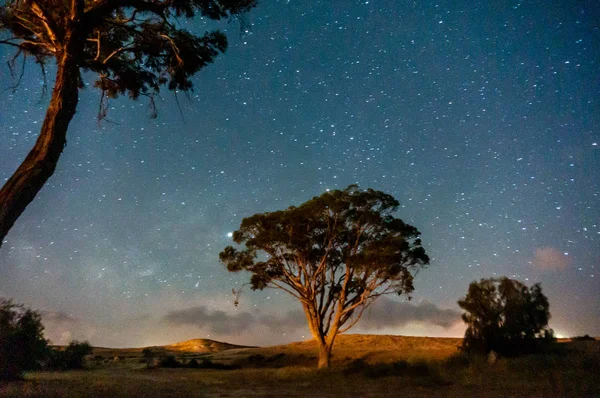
{"type": "Point", "coordinates": [133, 46]}
{"type": "Point", "coordinates": [505, 316]}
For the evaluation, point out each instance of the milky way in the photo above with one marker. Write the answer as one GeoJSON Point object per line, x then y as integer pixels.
{"type": "Point", "coordinates": [482, 120]}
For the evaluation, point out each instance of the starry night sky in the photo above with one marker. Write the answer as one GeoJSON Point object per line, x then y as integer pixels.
{"type": "Point", "coordinates": [482, 119]}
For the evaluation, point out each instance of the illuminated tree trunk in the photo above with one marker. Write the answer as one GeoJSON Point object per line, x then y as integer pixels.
{"type": "Point", "coordinates": [325, 355]}
{"type": "Point", "coordinates": [324, 342]}
{"type": "Point", "coordinates": [40, 163]}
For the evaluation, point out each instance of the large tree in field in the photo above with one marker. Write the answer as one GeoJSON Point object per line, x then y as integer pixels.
{"type": "Point", "coordinates": [335, 253]}
{"type": "Point", "coordinates": [505, 316]}
{"type": "Point", "coordinates": [133, 46]}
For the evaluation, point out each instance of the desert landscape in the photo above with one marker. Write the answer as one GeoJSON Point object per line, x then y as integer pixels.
{"type": "Point", "coordinates": [362, 366]}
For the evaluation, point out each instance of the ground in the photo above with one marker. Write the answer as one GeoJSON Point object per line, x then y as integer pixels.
{"type": "Point", "coordinates": [363, 366]}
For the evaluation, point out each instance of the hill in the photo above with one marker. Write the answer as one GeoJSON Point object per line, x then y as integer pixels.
{"type": "Point", "coordinates": [201, 346]}
{"type": "Point", "coordinates": [371, 348]}
{"type": "Point", "coordinates": [194, 346]}
{"type": "Point", "coordinates": [347, 347]}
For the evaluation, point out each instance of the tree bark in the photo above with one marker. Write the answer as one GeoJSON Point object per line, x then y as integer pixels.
{"type": "Point", "coordinates": [324, 342]}
{"type": "Point", "coordinates": [40, 163]}
{"type": "Point", "coordinates": [325, 354]}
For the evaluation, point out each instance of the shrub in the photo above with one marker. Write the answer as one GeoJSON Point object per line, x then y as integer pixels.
{"type": "Point", "coordinates": [417, 370]}
{"type": "Point", "coordinates": [586, 337]}
{"type": "Point", "coordinates": [148, 355]}
{"type": "Point", "coordinates": [169, 362]}
{"type": "Point", "coordinates": [71, 357]}
{"type": "Point", "coordinates": [257, 358]}
{"type": "Point", "coordinates": [22, 345]}
{"type": "Point", "coordinates": [208, 364]}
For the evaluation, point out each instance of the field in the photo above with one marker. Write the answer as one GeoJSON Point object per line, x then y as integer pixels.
{"type": "Point", "coordinates": [362, 366]}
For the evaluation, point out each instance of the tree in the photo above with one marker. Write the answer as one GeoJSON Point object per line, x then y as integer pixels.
{"type": "Point", "coordinates": [133, 46]}
{"type": "Point", "coordinates": [335, 253]}
{"type": "Point", "coordinates": [22, 345]}
{"type": "Point", "coordinates": [505, 316]}
{"type": "Point", "coordinates": [148, 355]}
{"type": "Point", "coordinates": [71, 357]}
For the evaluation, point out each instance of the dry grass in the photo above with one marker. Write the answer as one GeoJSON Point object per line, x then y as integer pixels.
{"type": "Point", "coordinates": [372, 348]}
{"type": "Point", "coordinates": [364, 366]}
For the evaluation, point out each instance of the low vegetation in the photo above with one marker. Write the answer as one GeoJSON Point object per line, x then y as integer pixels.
{"type": "Point", "coordinates": [23, 347]}
{"type": "Point", "coordinates": [566, 369]}
{"type": "Point", "coordinates": [506, 352]}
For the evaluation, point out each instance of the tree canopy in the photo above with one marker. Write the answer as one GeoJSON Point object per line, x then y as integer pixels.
{"type": "Point", "coordinates": [133, 47]}
{"type": "Point", "coordinates": [505, 316]}
{"type": "Point", "coordinates": [335, 254]}
{"type": "Point", "coordinates": [22, 344]}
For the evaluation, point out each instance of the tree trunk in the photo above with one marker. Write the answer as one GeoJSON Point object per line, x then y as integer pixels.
{"type": "Point", "coordinates": [39, 165]}
{"type": "Point", "coordinates": [325, 354]}
{"type": "Point", "coordinates": [325, 342]}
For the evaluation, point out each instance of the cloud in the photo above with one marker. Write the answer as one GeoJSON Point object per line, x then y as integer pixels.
{"type": "Point", "coordinates": [251, 326]}
{"type": "Point", "coordinates": [551, 259]}
{"type": "Point", "coordinates": [216, 321]}
{"type": "Point", "coordinates": [388, 313]}
{"type": "Point", "coordinates": [383, 314]}
{"type": "Point", "coordinates": [221, 322]}
{"type": "Point", "coordinates": [62, 328]}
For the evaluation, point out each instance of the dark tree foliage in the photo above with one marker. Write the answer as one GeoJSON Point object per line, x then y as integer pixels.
{"type": "Point", "coordinates": [335, 253]}
{"type": "Point", "coordinates": [169, 362]}
{"type": "Point", "coordinates": [22, 344]}
{"type": "Point", "coordinates": [505, 316]}
{"type": "Point", "coordinates": [148, 355]}
{"type": "Point", "coordinates": [71, 357]}
{"type": "Point", "coordinates": [586, 337]}
{"type": "Point", "coordinates": [133, 47]}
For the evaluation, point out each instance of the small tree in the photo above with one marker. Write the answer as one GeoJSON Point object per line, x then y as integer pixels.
{"type": "Point", "coordinates": [133, 47]}
{"type": "Point", "coordinates": [148, 355]}
{"type": "Point", "coordinates": [505, 316]}
{"type": "Point", "coordinates": [335, 253]}
{"type": "Point", "coordinates": [69, 357]}
{"type": "Point", "coordinates": [22, 345]}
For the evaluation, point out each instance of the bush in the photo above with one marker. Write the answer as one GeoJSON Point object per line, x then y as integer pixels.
{"type": "Point", "coordinates": [22, 345]}
{"type": "Point", "coordinates": [257, 358]}
{"type": "Point", "coordinates": [587, 337]}
{"type": "Point", "coordinates": [416, 370]}
{"type": "Point", "coordinates": [505, 316]}
{"type": "Point", "coordinates": [169, 362]}
{"type": "Point", "coordinates": [208, 364]}
{"type": "Point", "coordinates": [148, 355]}
{"type": "Point", "coordinates": [71, 357]}
{"type": "Point", "coordinates": [463, 360]}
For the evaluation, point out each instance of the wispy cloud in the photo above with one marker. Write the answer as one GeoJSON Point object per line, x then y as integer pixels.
{"type": "Point", "coordinates": [385, 313]}
{"type": "Point", "coordinates": [550, 259]}
{"type": "Point", "coordinates": [388, 313]}
{"type": "Point", "coordinates": [215, 321]}
{"type": "Point", "coordinates": [61, 328]}
{"type": "Point", "coordinates": [220, 322]}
